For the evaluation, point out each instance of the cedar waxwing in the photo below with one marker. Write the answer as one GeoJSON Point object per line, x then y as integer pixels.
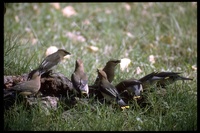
{"type": "Point", "coordinates": [79, 78]}
{"type": "Point", "coordinates": [26, 88]}
{"type": "Point", "coordinates": [169, 78]}
{"type": "Point", "coordinates": [109, 69]}
{"type": "Point", "coordinates": [132, 86]}
{"type": "Point", "coordinates": [161, 78]}
{"type": "Point", "coordinates": [109, 91]}
{"type": "Point", "coordinates": [50, 61]}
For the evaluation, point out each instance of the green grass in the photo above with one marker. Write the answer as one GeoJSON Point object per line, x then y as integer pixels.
{"type": "Point", "coordinates": [166, 30]}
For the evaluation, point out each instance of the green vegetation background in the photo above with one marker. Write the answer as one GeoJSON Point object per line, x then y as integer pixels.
{"type": "Point", "coordinates": [168, 31]}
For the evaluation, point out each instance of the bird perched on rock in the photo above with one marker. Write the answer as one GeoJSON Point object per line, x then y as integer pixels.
{"type": "Point", "coordinates": [131, 86]}
{"type": "Point", "coordinates": [109, 69]}
{"type": "Point", "coordinates": [109, 91]}
{"type": "Point", "coordinates": [26, 88]}
{"type": "Point", "coordinates": [79, 78]}
{"type": "Point", "coordinates": [50, 61]}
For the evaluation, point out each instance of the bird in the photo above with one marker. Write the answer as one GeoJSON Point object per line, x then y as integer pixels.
{"type": "Point", "coordinates": [167, 78]}
{"type": "Point", "coordinates": [50, 61]}
{"type": "Point", "coordinates": [26, 88]}
{"type": "Point", "coordinates": [109, 69]}
{"type": "Point", "coordinates": [109, 91]}
{"type": "Point", "coordinates": [80, 79]}
{"type": "Point", "coordinates": [131, 86]}
{"type": "Point", "coordinates": [161, 79]}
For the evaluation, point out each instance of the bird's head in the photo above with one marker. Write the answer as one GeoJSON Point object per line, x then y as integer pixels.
{"type": "Point", "coordinates": [79, 62]}
{"type": "Point", "coordinates": [113, 62]}
{"type": "Point", "coordinates": [101, 74]}
{"type": "Point", "coordinates": [63, 52]}
{"type": "Point", "coordinates": [79, 65]}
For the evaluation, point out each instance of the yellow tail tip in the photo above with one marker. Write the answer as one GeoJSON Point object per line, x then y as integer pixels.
{"type": "Point", "coordinates": [83, 92]}
{"type": "Point", "coordinates": [136, 97]}
{"type": "Point", "coordinates": [125, 107]}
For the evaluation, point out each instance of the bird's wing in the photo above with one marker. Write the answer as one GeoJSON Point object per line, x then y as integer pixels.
{"type": "Point", "coordinates": [96, 81]}
{"type": "Point", "coordinates": [108, 89]}
{"type": "Point", "coordinates": [131, 82]}
{"type": "Point", "coordinates": [147, 77]}
{"type": "Point", "coordinates": [24, 87]}
{"type": "Point", "coordinates": [75, 80]}
{"type": "Point", "coordinates": [83, 83]}
{"type": "Point", "coordinates": [48, 62]}
{"type": "Point", "coordinates": [167, 74]}
{"type": "Point", "coordinates": [136, 88]}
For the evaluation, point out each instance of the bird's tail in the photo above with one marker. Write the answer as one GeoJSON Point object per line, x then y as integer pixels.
{"type": "Point", "coordinates": [122, 104]}
{"type": "Point", "coordinates": [184, 78]}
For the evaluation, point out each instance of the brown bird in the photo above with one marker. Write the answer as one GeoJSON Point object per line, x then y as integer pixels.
{"type": "Point", "coordinates": [79, 78]}
{"type": "Point", "coordinates": [50, 61]}
{"type": "Point", "coordinates": [26, 88]}
{"type": "Point", "coordinates": [109, 69]}
{"type": "Point", "coordinates": [109, 91]}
